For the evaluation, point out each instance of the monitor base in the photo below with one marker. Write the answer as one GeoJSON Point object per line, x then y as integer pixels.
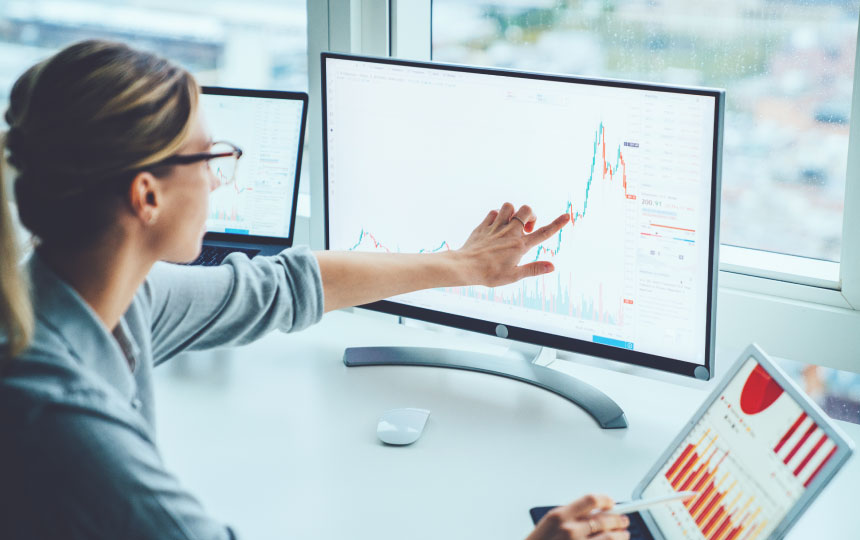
{"type": "Point", "coordinates": [606, 412]}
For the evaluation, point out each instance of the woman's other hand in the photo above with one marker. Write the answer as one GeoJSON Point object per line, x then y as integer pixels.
{"type": "Point", "coordinates": [496, 246]}
{"type": "Point", "coordinates": [583, 518]}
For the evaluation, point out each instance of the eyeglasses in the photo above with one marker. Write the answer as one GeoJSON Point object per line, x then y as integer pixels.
{"type": "Point", "coordinates": [222, 157]}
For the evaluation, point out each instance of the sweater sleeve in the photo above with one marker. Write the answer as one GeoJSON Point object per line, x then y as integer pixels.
{"type": "Point", "coordinates": [196, 308]}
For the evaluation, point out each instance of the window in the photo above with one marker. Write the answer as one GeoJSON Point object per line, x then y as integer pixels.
{"type": "Point", "coordinates": [788, 69]}
{"type": "Point", "coordinates": [837, 392]}
{"type": "Point", "coordinates": [257, 44]}
{"type": "Point", "coordinates": [790, 258]}
{"type": "Point", "coordinates": [787, 66]}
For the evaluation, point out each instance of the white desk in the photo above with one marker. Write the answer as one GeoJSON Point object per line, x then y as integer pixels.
{"type": "Point", "coordinates": [279, 441]}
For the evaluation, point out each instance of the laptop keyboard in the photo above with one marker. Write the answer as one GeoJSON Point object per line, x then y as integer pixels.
{"type": "Point", "coordinates": [214, 255]}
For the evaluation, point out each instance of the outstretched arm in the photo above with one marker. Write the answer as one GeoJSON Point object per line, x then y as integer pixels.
{"type": "Point", "coordinates": [490, 256]}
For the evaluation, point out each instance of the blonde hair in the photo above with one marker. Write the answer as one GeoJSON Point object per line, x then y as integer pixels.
{"type": "Point", "coordinates": [82, 124]}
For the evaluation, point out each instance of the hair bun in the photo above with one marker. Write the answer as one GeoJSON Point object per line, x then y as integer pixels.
{"type": "Point", "coordinates": [81, 122]}
{"type": "Point", "coordinates": [15, 147]}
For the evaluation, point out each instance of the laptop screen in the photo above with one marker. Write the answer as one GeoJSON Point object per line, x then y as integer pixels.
{"type": "Point", "coordinates": [259, 201]}
{"type": "Point", "coordinates": [751, 457]}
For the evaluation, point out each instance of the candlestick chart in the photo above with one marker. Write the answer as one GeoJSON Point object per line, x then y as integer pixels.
{"type": "Point", "coordinates": [604, 303]}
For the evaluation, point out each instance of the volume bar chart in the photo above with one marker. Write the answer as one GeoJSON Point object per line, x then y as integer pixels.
{"type": "Point", "coordinates": [550, 295]}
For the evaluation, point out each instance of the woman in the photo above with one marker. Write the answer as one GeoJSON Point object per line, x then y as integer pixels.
{"type": "Point", "coordinates": [113, 174]}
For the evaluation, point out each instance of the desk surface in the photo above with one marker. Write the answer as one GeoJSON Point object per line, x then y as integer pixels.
{"type": "Point", "coordinates": [278, 439]}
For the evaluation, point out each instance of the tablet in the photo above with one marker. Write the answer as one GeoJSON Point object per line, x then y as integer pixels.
{"type": "Point", "coordinates": [758, 451]}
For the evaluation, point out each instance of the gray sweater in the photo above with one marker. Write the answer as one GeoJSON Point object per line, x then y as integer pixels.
{"type": "Point", "coordinates": [78, 456]}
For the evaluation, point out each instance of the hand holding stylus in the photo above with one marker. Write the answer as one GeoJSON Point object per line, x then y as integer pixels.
{"type": "Point", "coordinates": [587, 517]}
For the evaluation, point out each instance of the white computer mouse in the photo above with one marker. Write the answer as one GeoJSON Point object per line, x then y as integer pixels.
{"type": "Point", "coordinates": [401, 426]}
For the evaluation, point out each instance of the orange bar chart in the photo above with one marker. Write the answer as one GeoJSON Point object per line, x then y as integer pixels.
{"type": "Point", "coordinates": [721, 511]}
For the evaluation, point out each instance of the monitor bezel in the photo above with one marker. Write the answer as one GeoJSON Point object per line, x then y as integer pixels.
{"type": "Point", "coordinates": [701, 371]}
{"type": "Point", "coordinates": [827, 473]}
{"type": "Point", "coordinates": [286, 241]}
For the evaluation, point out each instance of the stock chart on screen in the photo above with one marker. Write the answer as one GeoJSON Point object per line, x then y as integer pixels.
{"type": "Point", "coordinates": [257, 200]}
{"type": "Point", "coordinates": [751, 457]}
{"type": "Point", "coordinates": [416, 157]}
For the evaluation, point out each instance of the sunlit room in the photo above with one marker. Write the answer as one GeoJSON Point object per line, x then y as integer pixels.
{"type": "Point", "coordinates": [424, 269]}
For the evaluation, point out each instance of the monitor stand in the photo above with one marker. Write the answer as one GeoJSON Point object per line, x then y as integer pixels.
{"type": "Point", "coordinates": [528, 368]}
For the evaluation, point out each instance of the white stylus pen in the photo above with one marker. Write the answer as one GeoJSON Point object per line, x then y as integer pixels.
{"type": "Point", "coordinates": [628, 507]}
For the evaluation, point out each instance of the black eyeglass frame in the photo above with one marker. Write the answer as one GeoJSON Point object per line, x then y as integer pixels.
{"type": "Point", "coordinates": [185, 159]}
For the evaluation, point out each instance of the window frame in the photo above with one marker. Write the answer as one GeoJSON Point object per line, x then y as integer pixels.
{"type": "Point", "coordinates": [789, 305]}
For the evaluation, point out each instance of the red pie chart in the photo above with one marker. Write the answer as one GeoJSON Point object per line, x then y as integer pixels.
{"type": "Point", "coordinates": [760, 391]}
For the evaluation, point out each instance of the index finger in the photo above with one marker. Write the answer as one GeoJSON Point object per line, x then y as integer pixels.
{"type": "Point", "coordinates": [545, 232]}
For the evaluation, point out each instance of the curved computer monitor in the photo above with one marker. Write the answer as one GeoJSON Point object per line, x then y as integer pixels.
{"type": "Point", "coordinates": [417, 153]}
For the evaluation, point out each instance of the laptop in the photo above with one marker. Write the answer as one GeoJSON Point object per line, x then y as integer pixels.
{"type": "Point", "coordinates": [255, 212]}
{"type": "Point", "coordinates": [758, 452]}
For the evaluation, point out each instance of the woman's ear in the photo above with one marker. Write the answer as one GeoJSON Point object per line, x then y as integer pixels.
{"type": "Point", "coordinates": [145, 198]}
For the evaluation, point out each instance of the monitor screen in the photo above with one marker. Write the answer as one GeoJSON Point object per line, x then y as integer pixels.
{"type": "Point", "coordinates": [259, 200]}
{"type": "Point", "coordinates": [416, 154]}
{"type": "Point", "coordinates": [751, 456]}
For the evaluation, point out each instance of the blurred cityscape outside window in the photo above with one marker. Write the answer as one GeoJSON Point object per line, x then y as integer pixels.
{"type": "Point", "coordinates": [258, 44]}
{"type": "Point", "coordinates": [787, 67]}
{"type": "Point", "coordinates": [788, 70]}
{"type": "Point", "coordinates": [835, 391]}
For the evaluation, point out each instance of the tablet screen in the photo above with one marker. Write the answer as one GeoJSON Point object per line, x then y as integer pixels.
{"type": "Point", "coordinates": [751, 457]}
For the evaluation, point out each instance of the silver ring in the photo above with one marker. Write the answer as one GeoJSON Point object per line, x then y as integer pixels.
{"type": "Point", "coordinates": [520, 220]}
{"type": "Point", "coordinates": [593, 526]}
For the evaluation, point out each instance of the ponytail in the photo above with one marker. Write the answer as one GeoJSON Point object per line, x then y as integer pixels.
{"type": "Point", "coordinates": [16, 312]}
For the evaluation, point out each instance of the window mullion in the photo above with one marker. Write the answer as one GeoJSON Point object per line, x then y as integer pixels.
{"type": "Point", "coordinates": [374, 28]}
{"type": "Point", "coordinates": [358, 26]}
{"type": "Point", "coordinates": [350, 26]}
{"type": "Point", "coordinates": [850, 260]}
{"type": "Point", "coordinates": [320, 16]}
{"type": "Point", "coordinates": [411, 29]}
